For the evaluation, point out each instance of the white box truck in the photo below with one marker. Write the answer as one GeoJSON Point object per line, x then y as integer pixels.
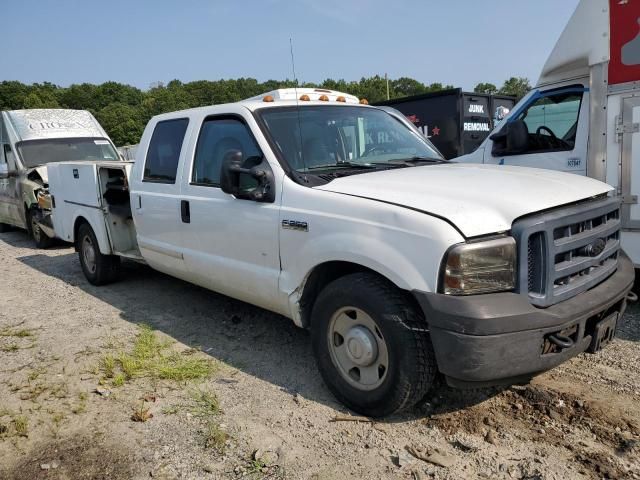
{"type": "Point", "coordinates": [344, 218]}
{"type": "Point", "coordinates": [31, 139]}
{"type": "Point", "coordinates": [583, 115]}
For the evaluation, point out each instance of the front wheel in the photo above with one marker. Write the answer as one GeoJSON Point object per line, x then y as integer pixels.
{"type": "Point", "coordinates": [99, 269]}
{"type": "Point", "coordinates": [372, 348]}
{"type": "Point", "coordinates": [39, 237]}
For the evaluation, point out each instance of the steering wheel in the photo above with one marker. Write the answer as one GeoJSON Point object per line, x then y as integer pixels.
{"type": "Point", "coordinates": [372, 149]}
{"type": "Point", "coordinates": [546, 129]}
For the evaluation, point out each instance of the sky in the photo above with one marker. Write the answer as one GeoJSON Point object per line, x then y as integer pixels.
{"type": "Point", "coordinates": [140, 42]}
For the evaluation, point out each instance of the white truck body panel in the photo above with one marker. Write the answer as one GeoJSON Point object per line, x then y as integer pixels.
{"type": "Point", "coordinates": [82, 197]}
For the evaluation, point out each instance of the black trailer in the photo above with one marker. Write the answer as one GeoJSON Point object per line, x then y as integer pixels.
{"type": "Point", "coordinates": [455, 121]}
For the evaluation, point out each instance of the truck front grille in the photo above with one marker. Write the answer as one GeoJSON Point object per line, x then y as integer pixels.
{"type": "Point", "coordinates": [567, 251]}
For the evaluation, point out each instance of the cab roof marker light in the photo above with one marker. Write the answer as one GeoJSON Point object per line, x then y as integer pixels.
{"type": "Point", "coordinates": [323, 98]}
{"type": "Point", "coordinates": [364, 101]}
{"type": "Point", "coordinates": [293, 94]}
{"type": "Point", "coordinates": [304, 98]}
{"type": "Point", "coordinates": [267, 98]}
{"type": "Point", "coordinates": [341, 99]}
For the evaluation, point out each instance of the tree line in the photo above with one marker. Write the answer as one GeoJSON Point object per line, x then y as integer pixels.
{"type": "Point", "coordinates": [124, 110]}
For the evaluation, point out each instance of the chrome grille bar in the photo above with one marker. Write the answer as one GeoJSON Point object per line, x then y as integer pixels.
{"type": "Point", "coordinates": [566, 251]}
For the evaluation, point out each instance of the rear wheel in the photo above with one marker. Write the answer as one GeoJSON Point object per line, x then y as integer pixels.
{"type": "Point", "coordinates": [98, 268]}
{"type": "Point", "coordinates": [372, 347]}
{"type": "Point", "coordinates": [39, 237]}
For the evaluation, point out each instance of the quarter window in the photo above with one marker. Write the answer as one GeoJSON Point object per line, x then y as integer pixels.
{"type": "Point", "coordinates": [219, 136]}
{"type": "Point", "coordinates": [164, 151]}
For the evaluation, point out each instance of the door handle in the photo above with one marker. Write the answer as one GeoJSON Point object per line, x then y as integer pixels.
{"type": "Point", "coordinates": [185, 211]}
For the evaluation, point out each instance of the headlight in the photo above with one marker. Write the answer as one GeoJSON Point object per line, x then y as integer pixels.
{"type": "Point", "coordinates": [480, 267]}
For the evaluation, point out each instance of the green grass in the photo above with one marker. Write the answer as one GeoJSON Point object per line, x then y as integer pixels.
{"type": "Point", "coordinates": [215, 437]}
{"type": "Point", "coordinates": [206, 403]}
{"type": "Point", "coordinates": [13, 332]}
{"type": "Point", "coordinates": [81, 406]}
{"type": "Point", "coordinates": [150, 357]}
{"type": "Point", "coordinates": [21, 425]}
{"type": "Point", "coordinates": [12, 347]}
{"type": "Point", "coordinates": [256, 466]}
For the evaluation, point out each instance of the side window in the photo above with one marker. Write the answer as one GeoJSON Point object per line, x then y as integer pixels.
{"type": "Point", "coordinates": [163, 155]}
{"type": "Point", "coordinates": [6, 154]}
{"type": "Point", "coordinates": [3, 139]}
{"type": "Point", "coordinates": [218, 136]}
{"type": "Point", "coordinates": [552, 122]}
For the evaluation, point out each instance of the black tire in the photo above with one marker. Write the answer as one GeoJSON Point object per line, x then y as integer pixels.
{"type": "Point", "coordinates": [411, 371]}
{"type": "Point", "coordinates": [4, 228]}
{"type": "Point", "coordinates": [35, 232]}
{"type": "Point", "coordinates": [104, 268]}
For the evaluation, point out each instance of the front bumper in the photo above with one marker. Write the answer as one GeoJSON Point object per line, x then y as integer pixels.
{"type": "Point", "coordinates": [500, 338]}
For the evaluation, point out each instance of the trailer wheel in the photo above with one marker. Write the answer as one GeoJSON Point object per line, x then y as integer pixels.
{"type": "Point", "coordinates": [98, 268]}
{"type": "Point", "coordinates": [372, 348]}
{"type": "Point", "coordinates": [39, 237]}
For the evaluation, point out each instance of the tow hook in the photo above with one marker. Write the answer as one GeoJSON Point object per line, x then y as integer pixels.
{"type": "Point", "coordinates": [560, 340]}
{"type": "Point", "coordinates": [632, 297]}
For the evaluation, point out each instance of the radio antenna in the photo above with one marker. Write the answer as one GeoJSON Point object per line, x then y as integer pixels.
{"type": "Point", "coordinates": [295, 89]}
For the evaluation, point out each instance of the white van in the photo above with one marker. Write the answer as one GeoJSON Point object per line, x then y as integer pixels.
{"type": "Point", "coordinates": [30, 140]}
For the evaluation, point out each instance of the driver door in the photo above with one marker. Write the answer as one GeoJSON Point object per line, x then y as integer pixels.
{"type": "Point", "coordinates": [557, 122]}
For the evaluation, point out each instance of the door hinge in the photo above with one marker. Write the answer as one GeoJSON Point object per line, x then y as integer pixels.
{"type": "Point", "coordinates": [622, 128]}
{"type": "Point", "coordinates": [629, 199]}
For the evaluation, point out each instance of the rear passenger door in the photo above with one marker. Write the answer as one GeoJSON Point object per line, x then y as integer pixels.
{"type": "Point", "coordinates": [155, 195]}
{"type": "Point", "coordinates": [230, 244]}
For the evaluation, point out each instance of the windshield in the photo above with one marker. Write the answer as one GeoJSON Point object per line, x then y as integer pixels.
{"type": "Point", "coordinates": [39, 152]}
{"type": "Point", "coordinates": [313, 138]}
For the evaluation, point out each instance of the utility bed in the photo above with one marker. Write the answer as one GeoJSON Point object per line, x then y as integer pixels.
{"type": "Point", "coordinates": [99, 193]}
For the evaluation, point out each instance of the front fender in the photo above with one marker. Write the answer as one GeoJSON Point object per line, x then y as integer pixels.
{"type": "Point", "coordinates": [403, 245]}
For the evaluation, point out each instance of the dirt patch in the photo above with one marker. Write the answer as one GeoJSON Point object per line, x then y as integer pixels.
{"type": "Point", "coordinates": [77, 458]}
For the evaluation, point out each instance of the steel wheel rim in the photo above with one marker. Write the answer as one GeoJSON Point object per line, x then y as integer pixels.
{"type": "Point", "coordinates": [89, 254]}
{"type": "Point", "coordinates": [357, 348]}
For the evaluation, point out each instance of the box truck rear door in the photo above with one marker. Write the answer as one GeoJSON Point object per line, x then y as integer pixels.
{"type": "Point", "coordinates": [629, 131]}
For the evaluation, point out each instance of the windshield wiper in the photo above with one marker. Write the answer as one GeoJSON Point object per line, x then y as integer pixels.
{"type": "Point", "coordinates": [416, 160]}
{"type": "Point", "coordinates": [342, 165]}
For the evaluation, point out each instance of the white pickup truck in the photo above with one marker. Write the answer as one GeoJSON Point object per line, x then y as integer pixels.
{"type": "Point", "coordinates": [343, 218]}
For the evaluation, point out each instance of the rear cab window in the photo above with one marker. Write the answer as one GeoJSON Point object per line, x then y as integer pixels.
{"type": "Point", "coordinates": [163, 154]}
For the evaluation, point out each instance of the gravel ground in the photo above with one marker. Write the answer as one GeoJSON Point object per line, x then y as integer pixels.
{"type": "Point", "coordinates": [60, 418]}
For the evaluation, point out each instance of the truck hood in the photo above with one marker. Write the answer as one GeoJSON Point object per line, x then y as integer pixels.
{"type": "Point", "coordinates": [477, 199]}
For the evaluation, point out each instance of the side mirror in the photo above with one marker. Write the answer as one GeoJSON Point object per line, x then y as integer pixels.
{"type": "Point", "coordinates": [4, 170]}
{"type": "Point", "coordinates": [235, 172]}
{"type": "Point", "coordinates": [512, 139]}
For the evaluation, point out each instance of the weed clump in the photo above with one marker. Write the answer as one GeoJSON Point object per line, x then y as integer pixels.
{"type": "Point", "coordinates": [152, 358]}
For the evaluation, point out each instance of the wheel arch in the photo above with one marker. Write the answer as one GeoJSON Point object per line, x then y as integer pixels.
{"type": "Point", "coordinates": [99, 230]}
{"type": "Point", "coordinates": [323, 274]}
